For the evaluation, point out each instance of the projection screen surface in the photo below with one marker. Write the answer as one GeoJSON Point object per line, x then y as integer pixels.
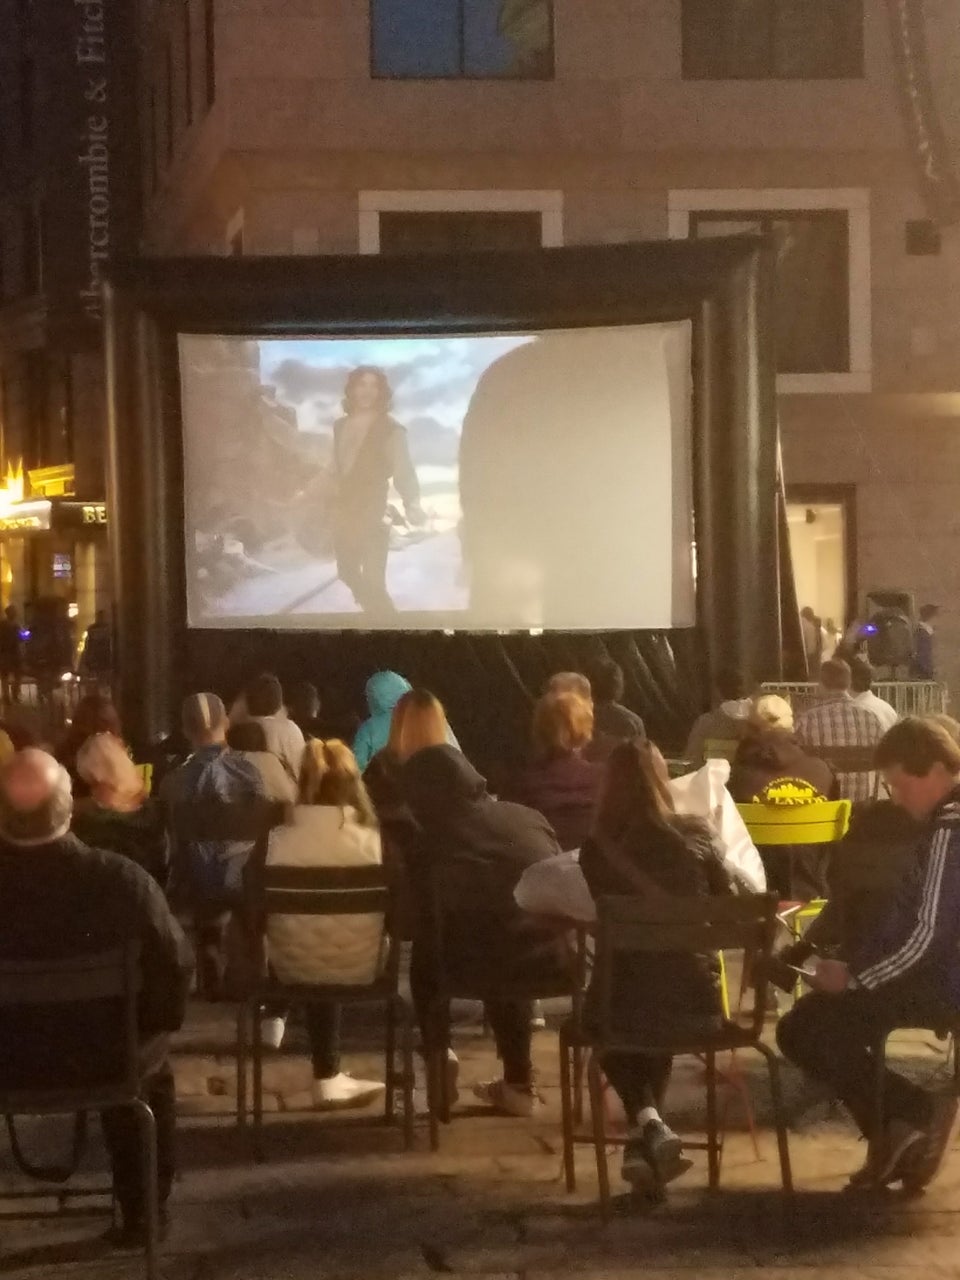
{"type": "Point", "coordinates": [481, 482]}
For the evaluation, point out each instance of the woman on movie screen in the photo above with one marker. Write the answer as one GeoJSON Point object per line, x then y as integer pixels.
{"type": "Point", "coordinates": [370, 450]}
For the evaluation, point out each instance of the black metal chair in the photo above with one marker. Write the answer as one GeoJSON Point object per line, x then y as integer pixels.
{"type": "Point", "coordinates": [558, 982]}
{"type": "Point", "coordinates": [28, 987]}
{"type": "Point", "coordinates": [328, 891]}
{"type": "Point", "coordinates": [247, 821]}
{"type": "Point", "coordinates": [628, 926]}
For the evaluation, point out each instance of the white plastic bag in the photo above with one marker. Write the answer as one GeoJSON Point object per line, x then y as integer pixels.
{"type": "Point", "coordinates": [556, 887]}
{"type": "Point", "coordinates": [704, 794]}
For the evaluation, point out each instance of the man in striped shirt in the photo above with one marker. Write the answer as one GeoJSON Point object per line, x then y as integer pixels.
{"type": "Point", "coordinates": [837, 721]}
{"type": "Point", "coordinates": [906, 974]}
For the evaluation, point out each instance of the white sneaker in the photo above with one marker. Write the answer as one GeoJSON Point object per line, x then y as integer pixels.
{"type": "Point", "coordinates": [538, 1020]}
{"type": "Point", "coordinates": [272, 1032]}
{"type": "Point", "coordinates": [343, 1091]}
{"type": "Point", "coordinates": [509, 1098]}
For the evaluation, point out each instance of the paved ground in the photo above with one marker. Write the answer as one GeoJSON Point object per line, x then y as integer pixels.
{"type": "Point", "coordinates": [337, 1196]}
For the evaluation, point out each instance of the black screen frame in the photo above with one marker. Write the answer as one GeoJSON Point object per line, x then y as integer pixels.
{"type": "Point", "coordinates": [721, 286]}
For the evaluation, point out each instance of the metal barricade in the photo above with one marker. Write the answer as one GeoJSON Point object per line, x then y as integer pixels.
{"type": "Point", "coordinates": [907, 697]}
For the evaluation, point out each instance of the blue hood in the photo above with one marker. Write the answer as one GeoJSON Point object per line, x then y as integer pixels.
{"type": "Point", "coordinates": [384, 690]}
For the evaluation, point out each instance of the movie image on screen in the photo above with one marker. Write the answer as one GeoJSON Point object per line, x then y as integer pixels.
{"type": "Point", "coordinates": [477, 482]}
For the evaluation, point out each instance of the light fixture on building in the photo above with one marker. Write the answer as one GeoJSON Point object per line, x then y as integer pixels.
{"type": "Point", "coordinates": [12, 489]}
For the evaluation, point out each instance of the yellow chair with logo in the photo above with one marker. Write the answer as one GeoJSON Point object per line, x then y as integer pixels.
{"type": "Point", "coordinates": [778, 822]}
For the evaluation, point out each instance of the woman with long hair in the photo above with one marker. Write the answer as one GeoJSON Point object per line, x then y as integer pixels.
{"type": "Point", "coordinates": [561, 783]}
{"type": "Point", "coordinates": [370, 450]}
{"type": "Point", "coordinates": [418, 721]}
{"type": "Point", "coordinates": [332, 825]}
{"type": "Point", "coordinates": [641, 847]}
{"type": "Point", "coordinates": [117, 814]}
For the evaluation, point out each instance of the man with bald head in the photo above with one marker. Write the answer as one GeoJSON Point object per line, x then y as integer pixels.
{"type": "Point", "coordinates": [60, 899]}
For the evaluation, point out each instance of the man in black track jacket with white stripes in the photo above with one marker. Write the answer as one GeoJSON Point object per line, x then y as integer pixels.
{"type": "Point", "coordinates": [907, 974]}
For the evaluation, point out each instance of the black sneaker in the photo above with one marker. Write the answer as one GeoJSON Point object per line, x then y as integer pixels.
{"type": "Point", "coordinates": [636, 1168]}
{"type": "Point", "coordinates": [664, 1151]}
{"type": "Point", "coordinates": [922, 1163]}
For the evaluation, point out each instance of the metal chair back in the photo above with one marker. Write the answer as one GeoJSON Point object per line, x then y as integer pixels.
{"type": "Point", "coordinates": [77, 981]}
{"type": "Point", "coordinates": [631, 926]}
{"type": "Point", "coordinates": [819, 822]}
{"type": "Point", "coordinates": [330, 891]}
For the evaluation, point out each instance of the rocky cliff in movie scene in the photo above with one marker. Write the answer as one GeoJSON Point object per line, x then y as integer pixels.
{"type": "Point", "coordinates": [482, 482]}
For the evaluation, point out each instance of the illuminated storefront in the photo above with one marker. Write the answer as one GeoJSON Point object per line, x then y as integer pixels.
{"type": "Point", "coordinates": [53, 545]}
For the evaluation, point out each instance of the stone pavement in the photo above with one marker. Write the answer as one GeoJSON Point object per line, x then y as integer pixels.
{"type": "Point", "coordinates": [338, 1197]}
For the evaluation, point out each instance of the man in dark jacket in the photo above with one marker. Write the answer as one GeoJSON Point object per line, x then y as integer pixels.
{"type": "Point", "coordinates": [905, 973]}
{"type": "Point", "coordinates": [60, 899]}
{"type": "Point", "coordinates": [478, 848]}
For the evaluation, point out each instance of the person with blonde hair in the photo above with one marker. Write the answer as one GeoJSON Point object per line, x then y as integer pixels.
{"type": "Point", "coordinates": [770, 711]}
{"type": "Point", "coordinates": [561, 783]}
{"type": "Point", "coordinates": [117, 814]}
{"type": "Point", "coordinates": [418, 721]}
{"type": "Point", "coordinates": [332, 825]}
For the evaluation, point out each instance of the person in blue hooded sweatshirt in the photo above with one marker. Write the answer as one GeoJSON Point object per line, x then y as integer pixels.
{"type": "Point", "coordinates": [384, 690]}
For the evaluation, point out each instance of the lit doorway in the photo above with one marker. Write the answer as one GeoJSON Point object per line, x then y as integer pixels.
{"type": "Point", "coordinates": [822, 542]}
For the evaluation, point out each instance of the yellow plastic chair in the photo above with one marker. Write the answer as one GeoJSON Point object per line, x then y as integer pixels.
{"type": "Point", "coordinates": [720, 748]}
{"type": "Point", "coordinates": [146, 776]}
{"type": "Point", "coordinates": [817, 822]}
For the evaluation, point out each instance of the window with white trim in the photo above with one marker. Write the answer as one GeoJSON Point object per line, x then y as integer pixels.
{"type": "Point", "coordinates": [822, 255]}
{"type": "Point", "coordinates": [459, 221]}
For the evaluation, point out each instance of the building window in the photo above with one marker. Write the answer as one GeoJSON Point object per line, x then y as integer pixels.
{"type": "Point", "coordinates": [821, 241]}
{"type": "Point", "coordinates": [209, 53]}
{"type": "Point", "coordinates": [459, 232]}
{"type": "Point", "coordinates": [472, 39]}
{"type": "Point", "coordinates": [772, 39]}
{"type": "Point", "coordinates": [459, 221]}
{"type": "Point", "coordinates": [187, 63]}
{"type": "Point", "coordinates": [813, 284]}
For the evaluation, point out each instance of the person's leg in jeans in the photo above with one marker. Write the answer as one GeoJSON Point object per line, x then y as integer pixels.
{"type": "Point", "coordinates": [639, 1082]}
{"type": "Point", "coordinates": [510, 1023]}
{"type": "Point", "coordinates": [830, 1037]}
{"type": "Point", "coordinates": [323, 1032]}
{"type": "Point", "coordinates": [331, 1087]}
{"type": "Point", "coordinates": [434, 1024]}
{"type": "Point", "coordinates": [122, 1137]}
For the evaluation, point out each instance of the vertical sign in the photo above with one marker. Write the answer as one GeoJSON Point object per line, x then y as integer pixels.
{"type": "Point", "coordinates": [91, 188]}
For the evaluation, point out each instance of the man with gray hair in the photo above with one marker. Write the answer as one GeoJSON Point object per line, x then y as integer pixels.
{"type": "Point", "coordinates": [60, 899]}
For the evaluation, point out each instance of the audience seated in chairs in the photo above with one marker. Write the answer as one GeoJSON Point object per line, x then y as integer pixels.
{"type": "Point", "coordinates": [864, 877]}
{"type": "Point", "coordinates": [767, 754]}
{"type": "Point", "coordinates": [727, 722]}
{"type": "Point", "coordinates": [837, 721]}
{"type": "Point", "coordinates": [480, 847]}
{"type": "Point", "coordinates": [332, 825]}
{"type": "Point", "coordinates": [60, 899]}
{"type": "Point", "coordinates": [418, 721]}
{"type": "Point", "coordinates": [249, 740]}
{"type": "Point", "coordinates": [263, 700]}
{"type": "Point", "coordinates": [641, 847]}
{"type": "Point", "coordinates": [118, 814]}
{"type": "Point", "coordinates": [95, 713]}
{"type": "Point", "coordinates": [904, 972]}
{"type": "Point", "coordinates": [610, 717]}
{"type": "Point", "coordinates": [560, 783]}
{"type": "Point", "coordinates": [206, 877]}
